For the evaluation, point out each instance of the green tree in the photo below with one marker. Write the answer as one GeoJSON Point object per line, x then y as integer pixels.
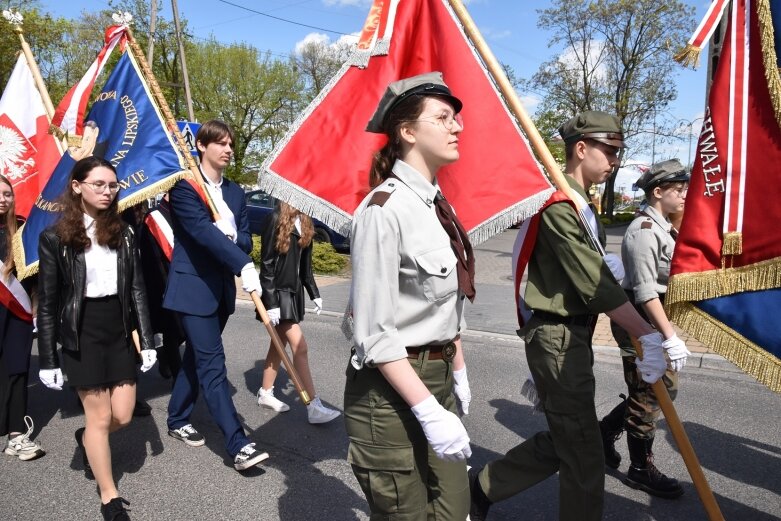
{"type": "Point", "coordinates": [616, 56]}
{"type": "Point", "coordinates": [318, 61]}
{"type": "Point", "coordinates": [247, 90]}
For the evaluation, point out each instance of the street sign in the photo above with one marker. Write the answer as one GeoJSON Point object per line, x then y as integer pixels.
{"type": "Point", "coordinates": [189, 129]}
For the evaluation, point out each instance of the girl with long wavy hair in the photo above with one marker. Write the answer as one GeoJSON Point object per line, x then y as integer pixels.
{"type": "Point", "coordinates": [92, 301]}
{"type": "Point", "coordinates": [286, 270]}
{"type": "Point", "coordinates": [16, 343]}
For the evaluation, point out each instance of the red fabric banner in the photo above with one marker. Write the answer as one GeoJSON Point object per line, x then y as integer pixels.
{"type": "Point", "coordinates": [322, 166]}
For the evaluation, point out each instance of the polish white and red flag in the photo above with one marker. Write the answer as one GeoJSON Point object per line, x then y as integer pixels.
{"type": "Point", "coordinates": [28, 153]}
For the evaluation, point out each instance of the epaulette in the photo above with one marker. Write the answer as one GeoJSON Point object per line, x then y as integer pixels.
{"type": "Point", "coordinates": [646, 225]}
{"type": "Point", "coordinates": [379, 198]}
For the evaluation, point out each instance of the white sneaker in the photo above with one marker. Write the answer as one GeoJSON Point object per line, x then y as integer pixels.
{"type": "Point", "coordinates": [269, 401]}
{"type": "Point", "coordinates": [22, 446]}
{"type": "Point", "coordinates": [319, 413]}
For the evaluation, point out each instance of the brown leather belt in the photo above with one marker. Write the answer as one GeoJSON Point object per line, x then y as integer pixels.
{"type": "Point", "coordinates": [446, 351]}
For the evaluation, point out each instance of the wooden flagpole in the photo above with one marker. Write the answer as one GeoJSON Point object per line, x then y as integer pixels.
{"type": "Point", "coordinates": [15, 19]}
{"type": "Point", "coordinates": [138, 54]}
{"type": "Point", "coordinates": [533, 135]}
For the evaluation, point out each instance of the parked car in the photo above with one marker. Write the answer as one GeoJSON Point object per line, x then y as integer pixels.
{"type": "Point", "coordinates": [260, 205]}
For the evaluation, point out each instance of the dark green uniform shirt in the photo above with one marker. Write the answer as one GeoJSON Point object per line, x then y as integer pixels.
{"type": "Point", "coordinates": [567, 276]}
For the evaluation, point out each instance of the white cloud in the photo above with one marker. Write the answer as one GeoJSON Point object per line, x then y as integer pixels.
{"type": "Point", "coordinates": [529, 102]}
{"type": "Point", "coordinates": [495, 34]}
{"type": "Point", "coordinates": [325, 40]}
{"type": "Point", "coordinates": [341, 3]}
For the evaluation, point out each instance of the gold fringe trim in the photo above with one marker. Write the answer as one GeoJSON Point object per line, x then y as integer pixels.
{"type": "Point", "coordinates": [22, 269]}
{"type": "Point", "coordinates": [718, 283]}
{"type": "Point", "coordinates": [736, 348]}
{"type": "Point", "coordinates": [733, 243]}
{"type": "Point", "coordinates": [689, 56]}
{"type": "Point", "coordinates": [769, 56]}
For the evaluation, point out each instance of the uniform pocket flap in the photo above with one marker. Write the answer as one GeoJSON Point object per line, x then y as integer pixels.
{"type": "Point", "coordinates": [375, 457]}
{"type": "Point", "coordinates": [439, 262]}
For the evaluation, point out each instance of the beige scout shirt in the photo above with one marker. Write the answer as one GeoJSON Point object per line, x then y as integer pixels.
{"type": "Point", "coordinates": [404, 280]}
{"type": "Point", "coordinates": [566, 275]}
{"type": "Point", "coordinates": [647, 251]}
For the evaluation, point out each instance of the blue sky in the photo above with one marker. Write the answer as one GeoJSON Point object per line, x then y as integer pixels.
{"type": "Point", "coordinates": [508, 26]}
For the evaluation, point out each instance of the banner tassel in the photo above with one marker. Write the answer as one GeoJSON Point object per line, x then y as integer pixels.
{"type": "Point", "coordinates": [733, 244]}
{"type": "Point", "coordinates": [688, 56]}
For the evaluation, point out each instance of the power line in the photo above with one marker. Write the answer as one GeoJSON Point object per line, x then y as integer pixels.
{"type": "Point", "coordinates": [282, 19]}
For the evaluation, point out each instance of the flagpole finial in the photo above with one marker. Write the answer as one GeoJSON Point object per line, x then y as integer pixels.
{"type": "Point", "coordinates": [14, 17]}
{"type": "Point", "coordinates": [122, 18]}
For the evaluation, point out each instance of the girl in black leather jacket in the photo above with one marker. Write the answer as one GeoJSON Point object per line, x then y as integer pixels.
{"type": "Point", "coordinates": [93, 301]}
{"type": "Point", "coordinates": [286, 269]}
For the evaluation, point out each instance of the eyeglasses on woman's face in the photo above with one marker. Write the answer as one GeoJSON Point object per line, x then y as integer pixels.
{"type": "Point", "coordinates": [446, 121]}
{"type": "Point", "coordinates": [99, 186]}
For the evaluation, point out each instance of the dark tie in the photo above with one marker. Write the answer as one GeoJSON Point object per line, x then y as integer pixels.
{"type": "Point", "coordinates": [459, 241]}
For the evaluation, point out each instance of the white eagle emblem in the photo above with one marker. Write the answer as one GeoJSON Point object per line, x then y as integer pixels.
{"type": "Point", "coordinates": [15, 154]}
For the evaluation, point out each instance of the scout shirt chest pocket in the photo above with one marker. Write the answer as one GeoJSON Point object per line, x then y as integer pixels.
{"type": "Point", "coordinates": [436, 273]}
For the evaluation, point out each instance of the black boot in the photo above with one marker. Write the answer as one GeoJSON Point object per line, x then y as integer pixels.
{"type": "Point", "coordinates": [79, 435]}
{"type": "Point", "coordinates": [478, 508]}
{"type": "Point", "coordinates": [115, 510]}
{"type": "Point", "coordinates": [644, 475]}
{"type": "Point", "coordinates": [611, 427]}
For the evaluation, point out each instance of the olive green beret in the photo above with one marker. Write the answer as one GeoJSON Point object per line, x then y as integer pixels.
{"type": "Point", "coordinates": [428, 84]}
{"type": "Point", "coordinates": [669, 171]}
{"type": "Point", "coordinates": [596, 125]}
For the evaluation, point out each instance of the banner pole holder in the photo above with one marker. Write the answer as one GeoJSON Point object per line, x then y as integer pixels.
{"type": "Point", "coordinates": [138, 54]}
{"type": "Point", "coordinates": [547, 160]}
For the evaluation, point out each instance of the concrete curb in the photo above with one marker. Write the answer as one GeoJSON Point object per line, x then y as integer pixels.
{"type": "Point", "coordinates": [712, 362]}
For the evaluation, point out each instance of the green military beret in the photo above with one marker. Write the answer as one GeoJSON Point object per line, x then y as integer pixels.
{"type": "Point", "coordinates": [669, 171]}
{"type": "Point", "coordinates": [596, 125]}
{"type": "Point", "coordinates": [428, 84]}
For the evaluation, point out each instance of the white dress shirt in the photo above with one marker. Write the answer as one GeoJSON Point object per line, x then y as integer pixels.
{"type": "Point", "coordinates": [215, 190]}
{"type": "Point", "coordinates": [101, 264]}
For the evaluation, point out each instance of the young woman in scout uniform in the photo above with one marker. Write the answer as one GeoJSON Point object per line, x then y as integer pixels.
{"type": "Point", "coordinates": [647, 252]}
{"type": "Point", "coordinates": [407, 446]}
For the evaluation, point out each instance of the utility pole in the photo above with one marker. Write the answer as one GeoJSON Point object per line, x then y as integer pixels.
{"type": "Point", "coordinates": [152, 25]}
{"type": "Point", "coordinates": [187, 96]}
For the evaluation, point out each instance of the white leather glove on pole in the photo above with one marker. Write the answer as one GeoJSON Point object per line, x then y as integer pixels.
{"type": "Point", "coordinates": [250, 281]}
{"type": "Point", "coordinates": [51, 378]}
{"type": "Point", "coordinates": [677, 352]}
{"type": "Point", "coordinates": [444, 431]}
{"type": "Point", "coordinates": [653, 364]}
{"type": "Point", "coordinates": [273, 316]}
{"type": "Point", "coordinates": [224, 226]}
{"type": "Point", "coordinates": [461, 389]}
{"type": "Point", "coordinates": [148, 359]}
{"type": "Point", "coordinates": [613, 262]}
{"type": "Point", "coordinates": [318, 302]}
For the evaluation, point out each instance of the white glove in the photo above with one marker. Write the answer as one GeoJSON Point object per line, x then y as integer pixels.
{"type": "Point", "coordinates": [148, 359]}
{"type": "Point", "coordinates": [461, 389]}
{"type": "Point", "coordinates": [273, 316]}
{"type": "Point", "coordinates": [318, 302]}
{"type": "Point", "coordinates": [676, 352]}
{"type": "Point", "coordinates": [613, 262]}
{"type": "Point", "coordinates": [653, 365]}
{"type": "Point", "coordinates": [250, 281]}
{"type": "Point", "coordinates": [225, 227]}
{"type": "Point", "coordinates": [35, 324]}
{"type": "Point", "coordinates": [444, 431]}
{"type": "Point", "coordinates": [51, 378]}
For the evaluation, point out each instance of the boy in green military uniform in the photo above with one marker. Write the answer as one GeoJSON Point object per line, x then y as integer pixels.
{"type": "Point", "coordinates": [569, 284]}
{"type": "Point", "coordinates": [647, 251]}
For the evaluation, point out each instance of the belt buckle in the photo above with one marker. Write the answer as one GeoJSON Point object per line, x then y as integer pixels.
{"type": "Point", "coordinates": [449, 351]}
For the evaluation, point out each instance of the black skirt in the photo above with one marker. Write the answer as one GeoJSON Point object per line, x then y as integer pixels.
{"type": "Point", "coordinates": [105, 357]}
{"type": "Point", "coordinates": [291, 305]}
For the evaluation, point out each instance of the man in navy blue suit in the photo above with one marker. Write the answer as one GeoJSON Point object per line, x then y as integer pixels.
{"type": "Point", "coordinates": [202, 291]}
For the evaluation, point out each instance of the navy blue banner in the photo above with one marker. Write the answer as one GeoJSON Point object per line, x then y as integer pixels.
{"type": "Point", "coordinates": [132, 136]}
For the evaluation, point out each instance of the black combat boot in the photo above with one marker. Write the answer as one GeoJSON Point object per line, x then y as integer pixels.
{"type": "Point", "coordinates": [478, 508]}
{"type": "Point", "coordinates": [611, 427]}
{"type": "Point", "coordinates": [644, 475]}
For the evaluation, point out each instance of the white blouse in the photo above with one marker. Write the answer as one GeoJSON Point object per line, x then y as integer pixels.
{"type": "Point", "coordinates": [101, 263]}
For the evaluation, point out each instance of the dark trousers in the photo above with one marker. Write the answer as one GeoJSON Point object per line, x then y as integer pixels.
{"type": "Point", "coordinates": [401, 477]}
{"type": "Point", "coordinates": [204, 364]}
{"type": "Point", "coordinates": [13, 400]}
{"type": "Point", "coordinates": [560, 360]}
